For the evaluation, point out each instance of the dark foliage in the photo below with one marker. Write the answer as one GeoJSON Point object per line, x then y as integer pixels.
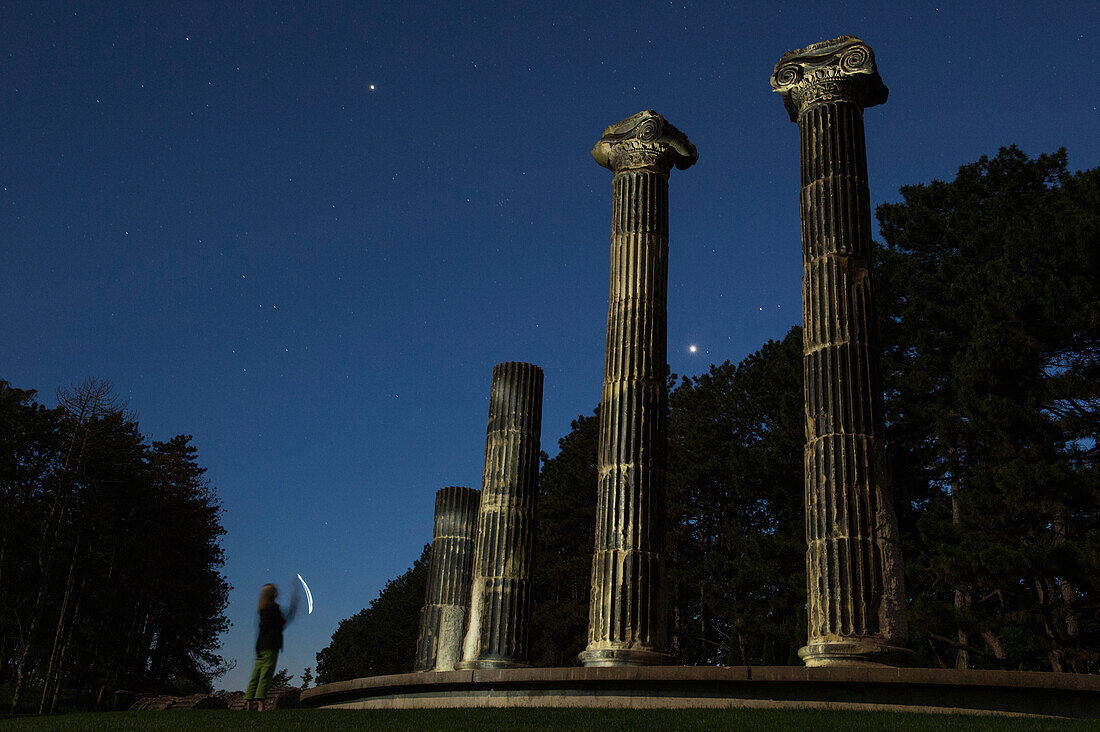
{"type": "Point", "coordinates": [109, 557]}
{"type": "Point", "coordinates": [380, 638]}
{"type": "Point", "coordinates": [989, 291]}
{"type": "Point", "coordinates": [563, 552]}
{"type": "Point", "coordinates": [281, 679]}
{"type": "Point", "coordinates": [736, 544]}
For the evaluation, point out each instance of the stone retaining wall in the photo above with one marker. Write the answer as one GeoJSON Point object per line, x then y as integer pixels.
{"type": "Point", "coordinates": [889, 689]}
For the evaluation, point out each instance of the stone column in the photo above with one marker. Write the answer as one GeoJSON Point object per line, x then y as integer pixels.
{"type": "Point", "coordinates": [500, 600]}
{"type": "Point", "coordinates": [443, 617]}
{"type": "Point", "coordinates": [854, 571]}
{"type": "Point", "coordinates": [627, 621]}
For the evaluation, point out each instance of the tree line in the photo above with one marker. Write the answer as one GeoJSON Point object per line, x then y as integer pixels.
{"type": "Point", "coordinates": [109, 555]}
{"type": "Point", "coordinates": [989, 312]}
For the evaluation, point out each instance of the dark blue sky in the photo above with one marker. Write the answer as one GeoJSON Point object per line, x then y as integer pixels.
{"type": "Point", "coordinates": [306, 236]}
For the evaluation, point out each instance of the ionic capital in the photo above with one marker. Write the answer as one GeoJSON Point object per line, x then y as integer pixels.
{"type": "Point", "coordinates": [645, 141]}
{"type": "Point", "coordinates": [840, 70]}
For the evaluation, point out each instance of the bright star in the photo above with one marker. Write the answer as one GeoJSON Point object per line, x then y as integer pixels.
{"type": "Point", "coordinates": [693, 349]}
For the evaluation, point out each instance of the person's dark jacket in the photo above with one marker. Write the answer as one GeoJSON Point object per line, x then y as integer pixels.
{"type": "Point", "coordinates": [271, 629]}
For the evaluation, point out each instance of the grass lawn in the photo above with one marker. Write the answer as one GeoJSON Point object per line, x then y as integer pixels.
{"type": "Point", "coordinates": [480, 720]}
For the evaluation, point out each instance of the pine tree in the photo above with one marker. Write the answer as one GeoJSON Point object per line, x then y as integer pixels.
{"type": "Point", "coordinates": [737, 546]}
{"type": "Point", "coordinates": [563, 551]}
{"type": "Point", "coordinates": [991, 303]}
{"type": "Point", "coordinates": [281, 679]}
{"type": "Point", "coordinates": [380, 638]}
{"type": "Point", "coordinates": [109, 559]}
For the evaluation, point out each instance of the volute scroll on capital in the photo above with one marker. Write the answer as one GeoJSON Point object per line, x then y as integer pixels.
{"type": "Point", "coordinates": [840, 70]}
{"type": "Point", "coordinates": [644, 141]}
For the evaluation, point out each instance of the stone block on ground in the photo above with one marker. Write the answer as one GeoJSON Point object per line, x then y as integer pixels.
{"type": "Point", "coordinates": [284, 697]}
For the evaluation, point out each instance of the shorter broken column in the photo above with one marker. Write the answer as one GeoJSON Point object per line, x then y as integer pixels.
{"type": "Point", "coordinates": [447, 601]}
{"type": "Point", "coordinates": [497, 632]}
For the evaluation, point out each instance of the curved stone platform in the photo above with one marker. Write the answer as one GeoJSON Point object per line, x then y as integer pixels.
{"type": "Point", "coordinates": [882, 689]}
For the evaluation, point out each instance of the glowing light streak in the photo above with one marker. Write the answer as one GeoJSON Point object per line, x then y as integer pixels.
{"type": "Point", "coordinates": [309, 595]}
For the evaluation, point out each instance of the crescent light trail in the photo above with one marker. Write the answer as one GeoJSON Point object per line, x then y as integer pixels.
{"type": "Point", "coordinates": [309, 595]}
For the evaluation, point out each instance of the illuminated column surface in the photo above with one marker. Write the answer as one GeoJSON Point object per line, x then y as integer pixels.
{"type": "Point", "coordinates": [854, 572]}
{"type": "Point", "coordinates": [500, 600]}
{"type": "Point", "coordinates": [627, 621]}
{"type": "Point", "coordinates": [443, 617]}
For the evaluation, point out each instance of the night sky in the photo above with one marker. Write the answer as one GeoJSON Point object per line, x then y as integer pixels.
{"type": "Point", "coordinates": [306, 236]}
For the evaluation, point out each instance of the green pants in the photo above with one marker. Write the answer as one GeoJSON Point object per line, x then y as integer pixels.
{"type": "Point", "coordinates": [262, 673]}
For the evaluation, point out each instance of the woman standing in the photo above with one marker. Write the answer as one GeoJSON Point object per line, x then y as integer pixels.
{"type": "Point", "coordinates": [268, 644]}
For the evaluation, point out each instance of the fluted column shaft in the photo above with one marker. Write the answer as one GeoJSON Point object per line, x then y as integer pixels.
{"type": "Point", "coordinates": [497, 632]}
{"type": "Point", "coordinates": [855, 575]}
{"type": "Point", "coordinates": [628, 605]}
{"type": "Point", "coordinates": [447, 600]}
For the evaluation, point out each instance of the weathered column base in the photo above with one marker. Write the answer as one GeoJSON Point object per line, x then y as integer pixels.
{"type": "Point", "coordinates": [485, 663]}
{"type": "Point", "coordinates": [859, 652]}
{"type": "Point", "coordinates": [623, 657]}
{"type": "Point", "coordinates": [450, 622]}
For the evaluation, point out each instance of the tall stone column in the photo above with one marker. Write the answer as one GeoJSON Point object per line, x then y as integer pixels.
{"type": "Point", "coordinates": [500, 600]}
{"type": "Point", "coordinates": [627, 621]}
{"type": "Point", "coordinates": [854, 571]}
{"type": "Point", "coordinates": [443, 617]}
